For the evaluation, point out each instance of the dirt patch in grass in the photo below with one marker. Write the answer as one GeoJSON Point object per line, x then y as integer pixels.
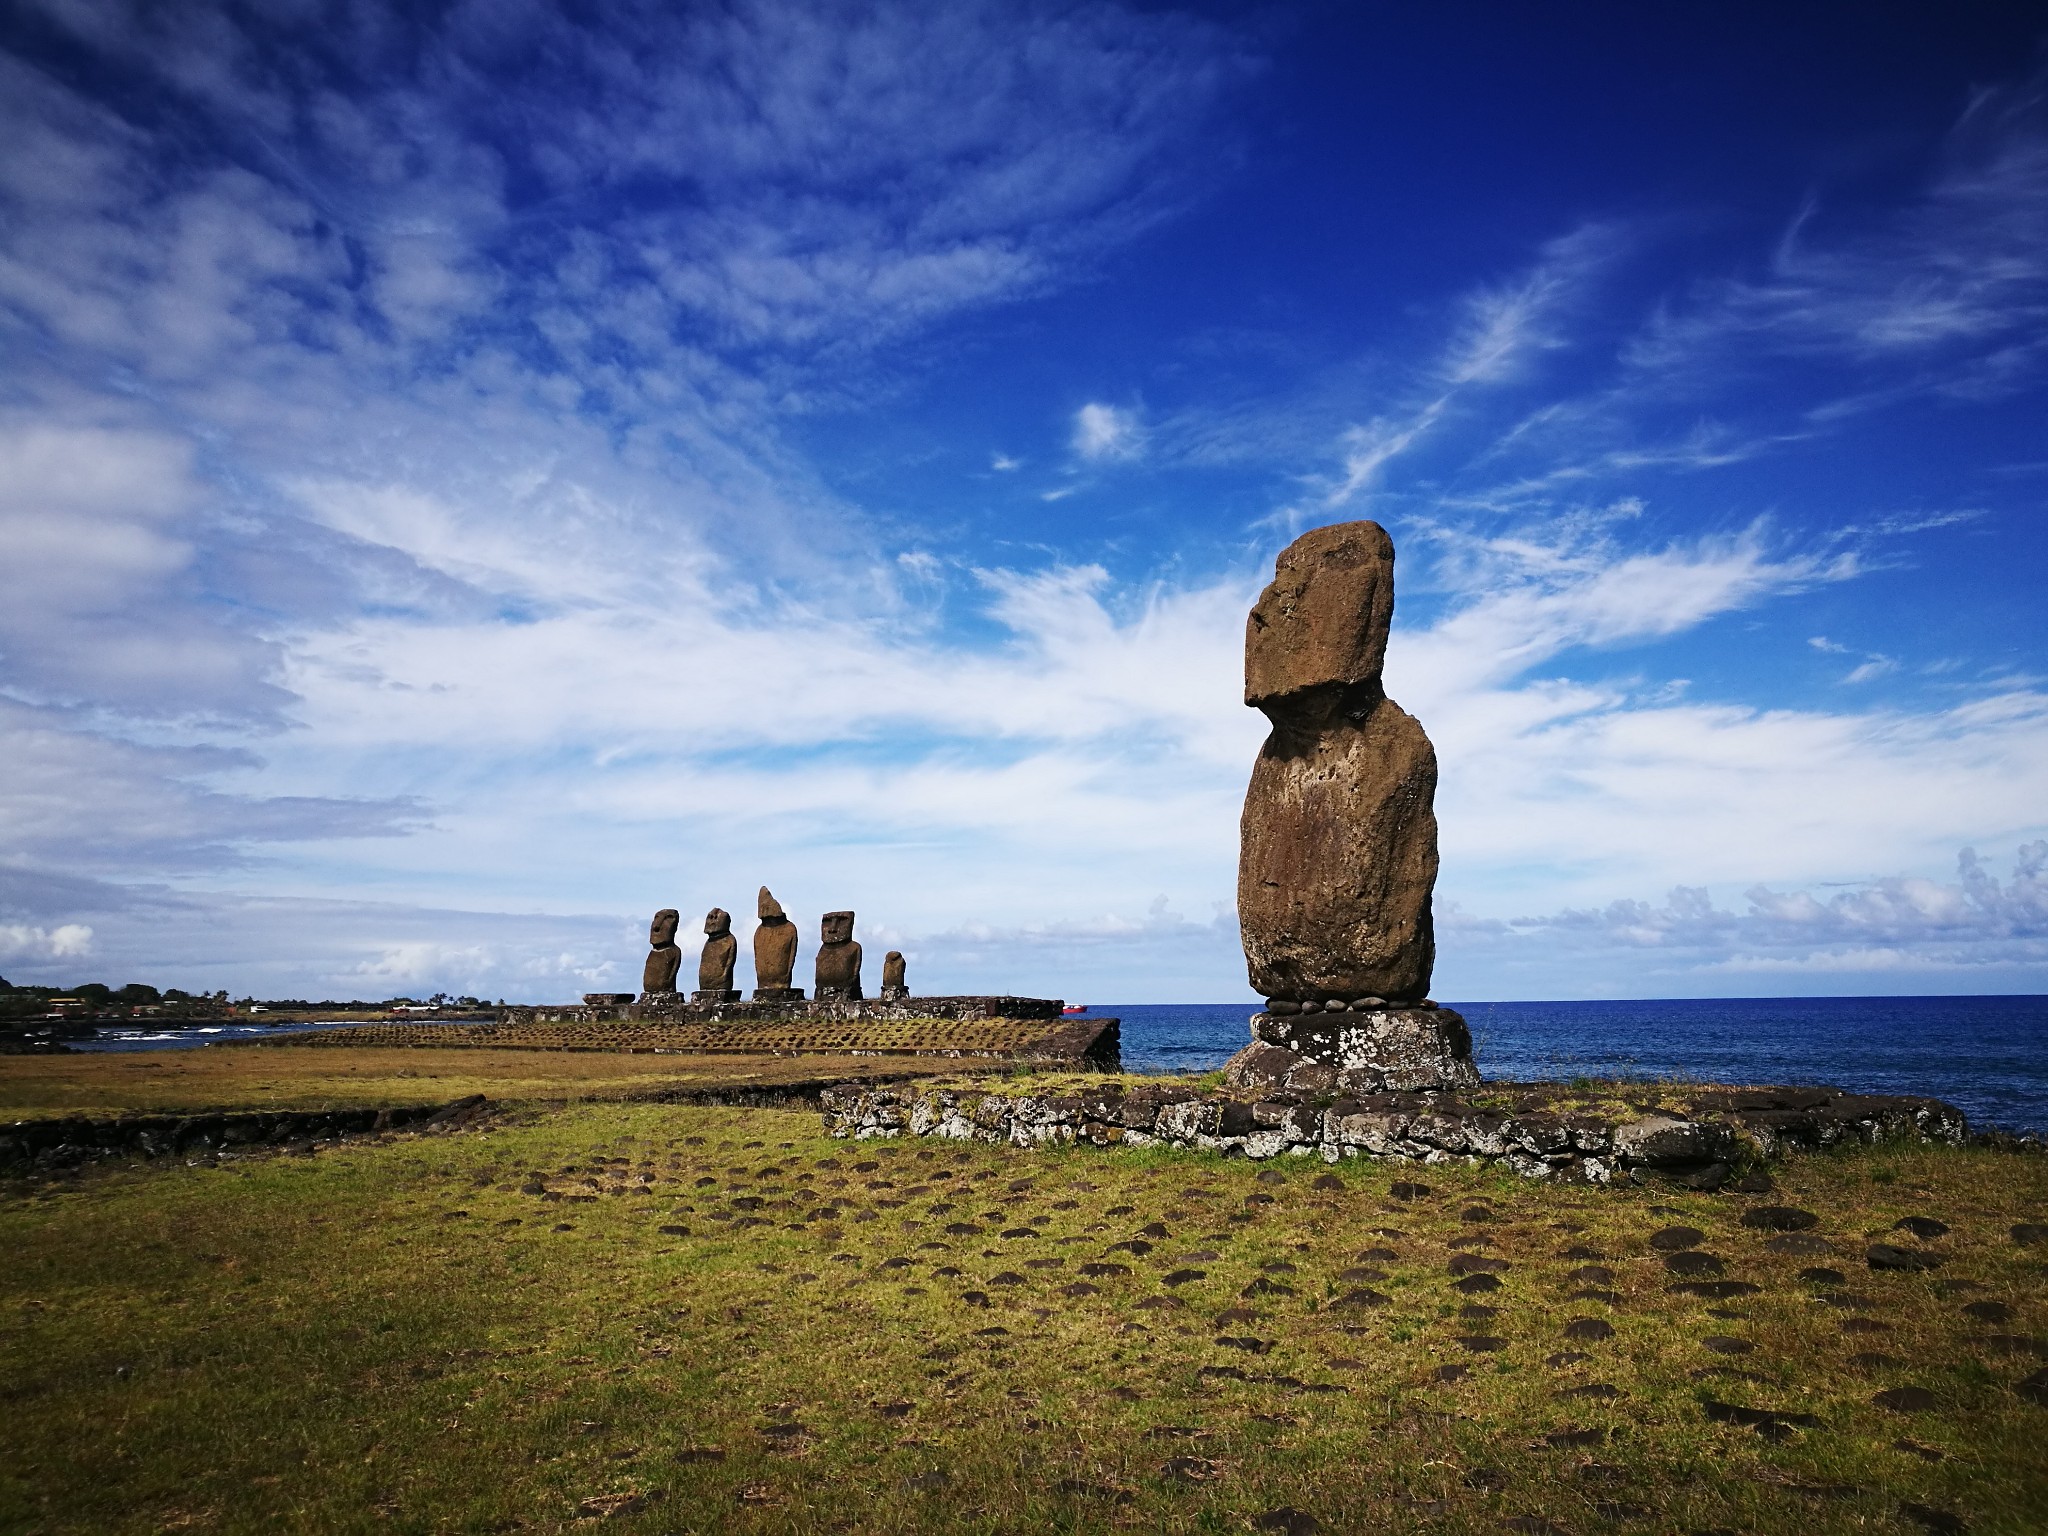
{"type": "Point", "coordinates": [668, 1318]}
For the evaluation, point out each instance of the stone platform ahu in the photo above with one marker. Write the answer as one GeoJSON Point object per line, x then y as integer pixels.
{"type": "Point", "coordinates": [1337, 860]}
{"type": "Point", "coordinates": [837, 1018]}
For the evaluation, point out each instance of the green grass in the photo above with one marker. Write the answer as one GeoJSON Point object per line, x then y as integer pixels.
{"type": "Point", "coordinates": [395, 1337]}
{"type": "Point", "coordinates": [284, 1077]}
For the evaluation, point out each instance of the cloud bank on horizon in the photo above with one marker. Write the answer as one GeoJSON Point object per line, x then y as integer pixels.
{"type": "Point", "coordinates": [471, 475]}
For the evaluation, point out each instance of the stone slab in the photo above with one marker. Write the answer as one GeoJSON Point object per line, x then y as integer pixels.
{"type": "Point", "coordinates": [1386, 1049]}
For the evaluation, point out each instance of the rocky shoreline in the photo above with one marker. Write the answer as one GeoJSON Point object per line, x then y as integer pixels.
{"type": "Point", "coordinates": [1702, 1137]}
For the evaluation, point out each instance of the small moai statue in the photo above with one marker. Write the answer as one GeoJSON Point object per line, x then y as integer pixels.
{"type": "Point", "coordinates": [715, 968]}
{"type": "Point", "coordinates": [894, 988]}
{"type": "Point", "coordinates": [838, 959]}
{"type": "Point", "coordinates": [664, 959]}
{"type": "Point", "coordinates": [774, 953]}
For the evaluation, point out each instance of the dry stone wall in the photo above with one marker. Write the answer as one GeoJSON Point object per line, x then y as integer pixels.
{"type": "Point", "coordinates": [1705, 1137]}
{"type": "Point", "coordinates": [69, 1141]}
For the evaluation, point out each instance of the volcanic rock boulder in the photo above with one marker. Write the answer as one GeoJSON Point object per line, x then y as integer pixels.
{"type": "Point", "coordinates": [1338, 842]}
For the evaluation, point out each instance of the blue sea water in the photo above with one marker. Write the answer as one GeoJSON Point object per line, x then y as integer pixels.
{"type": "Point", "coordinates": [1986, 1055]}
{"type": "Point", "coordinates": [171, 1037]}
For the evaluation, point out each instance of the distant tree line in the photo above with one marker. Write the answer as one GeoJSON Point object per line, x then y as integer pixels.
{"type": "Point", "coordinates": [97, 1000]}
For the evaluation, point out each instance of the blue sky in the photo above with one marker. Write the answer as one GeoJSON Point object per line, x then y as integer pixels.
{"type": "Point", "coordinates": [471, 475]}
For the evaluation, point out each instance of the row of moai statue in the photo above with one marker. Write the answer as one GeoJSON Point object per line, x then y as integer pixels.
{"type": "Point", "coordinates": [838, 967]}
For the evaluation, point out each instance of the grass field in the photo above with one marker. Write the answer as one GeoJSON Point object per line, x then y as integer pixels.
{"type": "Point", "coordinates": [268, 1077]}
{"type": "Point", "coordinates": [501, 1331]}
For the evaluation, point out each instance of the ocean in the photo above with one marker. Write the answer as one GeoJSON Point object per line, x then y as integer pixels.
{"type": "Point", "coordinates": [1986, 1055]}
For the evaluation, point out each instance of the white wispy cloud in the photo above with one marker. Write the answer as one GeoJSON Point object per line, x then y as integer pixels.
{"type": "Point", "coordinates": [1528, 597]}
{"type": "Point", "coordinates": [1107, 432]}
{"type": "Point", "coordinates": [1500, 329]}
{"type": "Point", "coordinates": [1873, 669]}
{"type": "Point", "coordinates": [1951, 290]}
{"type": "Point", "coordinates": [1945, 294]}
{"type": "Point", "coordinates": [1503, 326]}
{"type": "Point", "coordinates": [799, 175]}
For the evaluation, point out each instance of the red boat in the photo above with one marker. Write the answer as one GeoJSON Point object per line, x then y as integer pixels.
{"type": "Point", "coordinates": [1068, 1013]}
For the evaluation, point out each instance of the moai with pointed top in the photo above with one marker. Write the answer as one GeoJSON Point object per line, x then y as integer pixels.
{"type": "Point", "coordinates": [1337, 859]}
{"type": "Point", "coordinates": [715, 965]}
{"type": "Point", "coordinates": [774, 953]}
{"type": "Point", "coordinates": [838, 978]}
{"type": "Point", "coordinates": [894, 987]}
{"type": "Point", "coordinates": [664, 958]}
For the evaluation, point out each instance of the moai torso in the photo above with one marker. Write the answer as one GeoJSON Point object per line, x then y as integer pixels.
{"type": "Point", "coordinates": [838, 958]}
{"type": "Point", "coordinates": [664, 959]}
{"type": "Point", "coordinates": [721, 953]}
{"type": "Point", "coordinates": [774, 951]}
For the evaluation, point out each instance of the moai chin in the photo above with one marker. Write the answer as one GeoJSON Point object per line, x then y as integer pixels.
{"type": "Point", "coordinates": [838, 977]}
{"type": "Point", "coordinates": [774, 953]}
{"type": "Point", "coordinates": [894, 988]}
{"type": "Point", "coordinates": [715, 966]}
{"type": "Point", "coordinates": [664, 959]}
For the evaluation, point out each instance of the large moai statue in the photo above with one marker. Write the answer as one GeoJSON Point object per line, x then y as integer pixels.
{"type": "Point", "coordinates": [664, 958]}
{"type": "Point", "coordinates": [1337, 858]}
{"type": "Point", "coordinates": [1338, 852]}
{"type": "Point", "coordinates": [838, 977]}
{"type": "Point", "coordinates": [774, 953]}
{"type": "Point", "coordinates": [715, 966]}
{"type": "Point", "coordinates": [894, 987]}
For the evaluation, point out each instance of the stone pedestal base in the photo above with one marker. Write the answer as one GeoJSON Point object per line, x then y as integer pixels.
{"type": "Point", "coordinates": [1401, 1050]}
{"type": "Point", "coordinates": [658, 999]}
{"type": "Point", "coordinates": [895, 994]}
{"type": "Point", "coordinates": [778, 994]}
{"type": "Point", "coordinates": [839, 994]}
{"type": "Point", "coordinates": [713, 997]}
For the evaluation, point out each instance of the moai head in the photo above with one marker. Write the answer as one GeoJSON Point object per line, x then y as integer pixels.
{"type": "Point", "coordinates": [767, 908]}
{"type": "Point", "coordinates": [1321, 624]}
{"type": "Point", "coordinates": [717, 921]}
{"type": "Point", "coordinates": [662, 931]}
{"type": "Point", "coordinates": [836, 927]}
